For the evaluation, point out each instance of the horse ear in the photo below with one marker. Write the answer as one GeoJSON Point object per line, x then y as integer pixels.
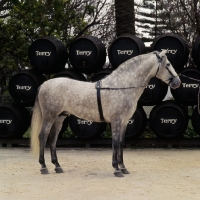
{"type": "Point", "coordinates": [162, 53]}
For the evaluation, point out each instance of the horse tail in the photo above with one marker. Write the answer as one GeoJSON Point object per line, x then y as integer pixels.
{"type": "Point", "coordinates": [36, 126]}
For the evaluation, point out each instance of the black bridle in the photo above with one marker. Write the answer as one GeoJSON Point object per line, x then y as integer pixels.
{"type": "Point", "coordinates": [167, 67]}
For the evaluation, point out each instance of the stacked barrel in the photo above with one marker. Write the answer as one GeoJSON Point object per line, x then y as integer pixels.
{"type": "Point", "coordinates": [86, 55]}
{"type": "Point", "coordinates": [169, 119]}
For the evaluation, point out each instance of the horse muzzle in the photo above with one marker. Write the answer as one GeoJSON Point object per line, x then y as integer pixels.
{"type": "Point", "coordinates": [175, 83]}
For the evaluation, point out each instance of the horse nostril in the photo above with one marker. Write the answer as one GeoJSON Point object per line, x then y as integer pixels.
{"type": "Point", "coordinates": [175, 83]}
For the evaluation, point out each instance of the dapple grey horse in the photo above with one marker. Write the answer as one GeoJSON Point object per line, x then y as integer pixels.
{"type": "Point", "coordinates": [119, 92]}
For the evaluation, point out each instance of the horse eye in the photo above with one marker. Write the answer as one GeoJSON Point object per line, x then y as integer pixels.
{"type": "Point", "coordinates": [168, 64]}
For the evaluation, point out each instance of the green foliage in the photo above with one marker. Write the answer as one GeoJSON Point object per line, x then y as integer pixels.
{"type": "Point", "coordinates": [29, 20]}
{"type": "Point", "coordinates": [68, 134]}
{"type": "Point", "coordinates": [27, 134]}
{"type": "Point", "coordinates": [107, 133]}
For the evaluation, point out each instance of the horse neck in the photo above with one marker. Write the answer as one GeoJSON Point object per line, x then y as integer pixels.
{"type": "Point", "coordinates": [133, 73]}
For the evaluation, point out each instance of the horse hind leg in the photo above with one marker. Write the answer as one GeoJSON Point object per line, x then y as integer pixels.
{"type": "Point", "coordinates": [53, 136]}
{"type": "Point", "coordinates": [47, 124]}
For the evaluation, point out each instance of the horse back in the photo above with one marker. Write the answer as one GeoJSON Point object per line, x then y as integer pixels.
{"type": "Point", "coordinates": [72, 96]}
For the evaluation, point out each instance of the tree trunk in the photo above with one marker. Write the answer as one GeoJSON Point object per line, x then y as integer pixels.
{"type": "Point", "coordinates": [125, 17]}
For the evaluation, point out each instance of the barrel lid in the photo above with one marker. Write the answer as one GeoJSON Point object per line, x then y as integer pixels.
{"type": "Point", "coordinates": [87, 54]}
{"type": "Point", "coordinates": [177, 49]}
{"type": "Point", "coordinates": [187, 93]}
{"type": "Point", "coordinates": [153, 93]}
{"type": "Point", "coordinates": [42, 53]}
{"type": "Point", "coordinates": [47, 54]}
{"type": "Point", "coordinates": [168, 119]}
{"type": "Point", "coordinates": [8, 121]}
{"type": "Point", "coordinates": [23, 86]}
{"type": "Point", "coordinates": [125, 47]}
{"type": "Point", "coordinates": [14, 120]}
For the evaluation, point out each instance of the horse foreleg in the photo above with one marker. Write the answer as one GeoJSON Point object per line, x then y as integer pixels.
{"type": "Point", "coordinates": [116, 127]}
{"type": "Point", "coordinates": [53, 136]}
{"type": "Point", "coordinates": [120, 153]}
{"type": "Point", "coordinates": [43, 139]}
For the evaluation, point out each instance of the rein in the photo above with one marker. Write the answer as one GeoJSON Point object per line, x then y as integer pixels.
{"type": "Point", "coordinates": [194, 79]}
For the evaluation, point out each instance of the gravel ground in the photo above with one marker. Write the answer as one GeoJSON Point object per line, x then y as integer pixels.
{"type": "Point", "coordinates": [156, 174]}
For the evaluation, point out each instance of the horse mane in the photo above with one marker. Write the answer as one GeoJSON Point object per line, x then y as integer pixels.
{"type": "Point", "coordinates": [125, 69]}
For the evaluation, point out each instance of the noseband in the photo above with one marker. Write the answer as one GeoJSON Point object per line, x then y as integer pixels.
{"type": "Point", "coordinates": [168, 64]}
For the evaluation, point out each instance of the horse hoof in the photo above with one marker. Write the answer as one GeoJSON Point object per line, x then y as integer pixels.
{"type": "Point", "coordinates": [125, 171]}
{"type": "Point", "coordinates": [44, 171]}
{"type": "Point", "coordinates": [59, 170]}
{"type": "Point", "coordinates": [118, 173]}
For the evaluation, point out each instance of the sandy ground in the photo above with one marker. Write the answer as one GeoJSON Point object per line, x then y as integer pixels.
{"type": "Point", "coordinates": [156, 174]}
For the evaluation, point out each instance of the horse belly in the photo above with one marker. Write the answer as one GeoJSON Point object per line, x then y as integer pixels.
{"type": "Point", "coordinates": [84, 107]}
{"type": "Point", "coordinates": [80, 100]}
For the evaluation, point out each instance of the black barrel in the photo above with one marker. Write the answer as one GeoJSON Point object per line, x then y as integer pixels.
{"type": "Point", "coordinates": [87, 54]}
{"type": "Point", "coordinates": [177, 49]}
{"type": "Point", "coordinates": [48, 55]}
{"type": "Point", "coordinates": [100, 75]}
{"type": "Point", "coordinates": [125, 47]}
{"type": "Point", "coordinates": [23, 86]}
{"type": "Point", "coordinates": [196, 120]}
{"type": "Point", "coordinates": [187, 93]}
{"type": "Point", "coordinates": [154, 93]}
{"type": "Point", "coordinates": [86, 129]}
{"type": "Point", "coordinates": [196, 52]}
{"type": "Point", "coordinates": [14, 120]}
{"type": "Point", "coordinates": [136, 124]}
{"type": "Point", "coordinates": [70, 73]}
{"type": "Point", "coordinates": [168, 119]}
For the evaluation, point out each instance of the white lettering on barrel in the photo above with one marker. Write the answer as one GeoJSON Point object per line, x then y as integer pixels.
{"type": "Point", "coordinates": [168, 121]}
{"type": "Point", "coordinates": [5, 121]}
{"type": "Point", "coordinates": [80, 121]}
{"type": "Point", "coordinates": [23, 87]}
{"type": "Point", "coordinates": [190, 85]}
{"type": "Point", "coordinates": [83, 53]}
{"type": "Point", "coordinates": [39, 53]}
{"type": "Point", "coordinates": [151, 86]}
{"type": "Point", "coordinates": [170, 51]}
{"type": "Point", "coordinates": [123, 52]}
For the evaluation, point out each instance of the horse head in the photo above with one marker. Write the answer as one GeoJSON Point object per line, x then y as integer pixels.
{"type": "Point", "coordinates": [165, 70]}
